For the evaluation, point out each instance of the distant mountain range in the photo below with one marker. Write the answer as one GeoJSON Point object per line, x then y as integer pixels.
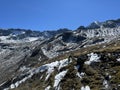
{"type": "Point", "coordinates": [26, 35]}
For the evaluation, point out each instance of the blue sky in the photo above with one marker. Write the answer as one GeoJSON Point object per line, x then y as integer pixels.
{"type": "Point", "coordinates": [55, 14]}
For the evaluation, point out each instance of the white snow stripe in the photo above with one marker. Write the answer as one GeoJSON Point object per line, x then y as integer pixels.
{"type": "Point", "coordinates": [59, 77]}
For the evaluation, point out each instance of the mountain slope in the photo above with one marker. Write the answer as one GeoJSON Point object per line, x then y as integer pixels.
{"type": "Point", "coordinates": [86, 58]}
{"type": "Point", "coordinates": [97, 69]}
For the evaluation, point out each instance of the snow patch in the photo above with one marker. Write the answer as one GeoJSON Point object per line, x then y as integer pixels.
{"type": "Point", "coordinates": [118, 59]}
{"type": "Point", "coordinates": [8, 39]}
{"type": "Point", "coordinates": [80, 75]}
{"type": "Point", "coordinates": [32, 38]}
{"type": "Point", "coordinates": [4, 37]}
{"type": "Point", "coordinates": [105, 83]}
{"type": "Point", "coordinates": [64, 63]}
{"type": "Point", "coordinates": [92, 58]}
{"type": "Point", "coordinates": [48, 88]}
{"type": "Point", "coordinates": [59, 77]}
{"type": "Point", "coordinates": [41, 77]}
{"type": "Point", "coordinates": [57, 64]}
{"type": "Point", "coordinates": [12, 86]}
{"type": "Point", "coordinates": [85, 88]}
{"type": "Point", "coordinates": [50, 70]}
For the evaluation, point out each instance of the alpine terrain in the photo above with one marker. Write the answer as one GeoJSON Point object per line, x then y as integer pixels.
{"type": "Point", "coordinates": [87, 58]}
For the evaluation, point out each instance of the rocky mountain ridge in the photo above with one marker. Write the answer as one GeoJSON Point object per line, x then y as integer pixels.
{"type": "Point", "coordinates": [22, 35]}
